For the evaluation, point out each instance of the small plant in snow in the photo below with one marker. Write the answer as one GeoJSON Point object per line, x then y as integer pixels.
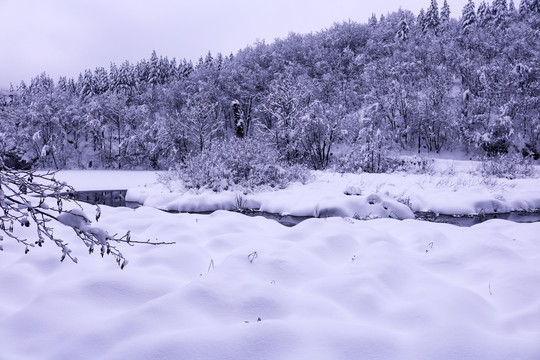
{"type": "Point", "coordinates": [405, 200]}
{"type": "Point", "coordinates": [240, 202]}
{"type": "Point", "coordinates": [353, 190]}
{"type": "Point", "coordinates": [252, 256]}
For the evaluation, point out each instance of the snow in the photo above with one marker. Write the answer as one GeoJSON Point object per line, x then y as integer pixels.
{"type": "Point", "coordinates": [325, 289]}
{"type": "Point", "coordinates": [329, 288]}
{"type": "Point", "coordinates": [75, 218]}
{"type": "Point", "coordinates": [454, 188]}
{"type": "Point", "coordinates": [83, 180]}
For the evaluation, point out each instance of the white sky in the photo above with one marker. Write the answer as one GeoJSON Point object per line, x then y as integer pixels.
{"type": "Point", "coordinates": [64, 37]}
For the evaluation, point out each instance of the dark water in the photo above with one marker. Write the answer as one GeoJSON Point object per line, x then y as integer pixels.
{"type": "Point", "coordinates": [117, 198]}
{"type": "Point", "coordinates": [114, 198]}
{"type": "Point", "coordinates": [458, 220]}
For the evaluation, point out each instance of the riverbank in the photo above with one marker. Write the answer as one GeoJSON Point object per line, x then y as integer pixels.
{"type": "Point", "coordinates": [451, 188]}
{"type": "Point", "coordinates": [239, 287]}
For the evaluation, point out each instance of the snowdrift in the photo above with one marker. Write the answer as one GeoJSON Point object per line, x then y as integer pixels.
{"type": "Point", "coordinates": [236, 287]}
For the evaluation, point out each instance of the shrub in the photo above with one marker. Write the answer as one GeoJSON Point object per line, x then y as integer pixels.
{"type": "Point", "coordinates": [237, 164]}
{"type": "Point", "coordinates": [360, 158]}
{"type": "Point", "coordinates": [416, 165]}
{"type": "Point", "coordinates": [508, 166]}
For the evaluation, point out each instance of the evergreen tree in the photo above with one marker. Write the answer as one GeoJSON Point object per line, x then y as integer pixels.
{"type": "Point", "coordinates": [512, 8]}
{"type": "Point", "coordinates": [484, 14]}
{"type": "Point", "coordinates": [113, 77]}
{"type": "Point", "coordinates": [71, 86]}
{"type": "Point", "coordinates": [403, 29]}
{"type": "Point", "coordinates": [468, 18]}
{"type": "Point", "coordinates": [500, 11]}
{"type": "Point", "coordinates": [185, 68]}
{"type": "Point", "coordinates": [164, 70]}
{"type": "Point", "coordinates": [534, 6]}
{"type": "Point", "coordinates": [154, 70]}
{"type": "Point", "coordinates": [524, 8]}
{"type": "Point", "coordinates": [421, 19]}
{"type": "Point", "coordinates": [62, 83]}
{"type": "Point", "coordinates": [432, 20]}
{"type": "Point", "coordinates": [101, 80]}
{"type": "Point", "coordinates": [445, 14]}
{"type": "Point", "coordinates": [372, 20]}
{"type": "Point", "coordinates": [87, 85]}
{"type": "Point", "coordinates": [173, 70]}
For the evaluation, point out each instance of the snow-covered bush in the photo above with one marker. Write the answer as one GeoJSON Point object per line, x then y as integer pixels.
{"type": "Point", "coordinates": [498, 138]}
{"type": "Point", "coordinates": [239, 164]}
{"type": "Point", "coordinates": [368, 153]}
{"type": "Point", "coordinates": [508, 166]}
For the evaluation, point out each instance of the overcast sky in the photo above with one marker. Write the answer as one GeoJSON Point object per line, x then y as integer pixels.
{"type": "Point", "coordinates": [64, 37]}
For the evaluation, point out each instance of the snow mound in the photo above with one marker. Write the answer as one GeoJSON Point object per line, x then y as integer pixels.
{"type": "Point", "coordinates": [237, 287]}
{"type": "Point", "coordinates": [363, 207]}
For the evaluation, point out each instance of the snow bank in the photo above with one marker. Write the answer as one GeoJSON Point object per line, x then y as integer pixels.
{"type": "Point", "coordinates": [460, 193]}
{"type": "Point", "coordinates": [454, 188]}
{"type": "Point", "coordinates": [235, 287]}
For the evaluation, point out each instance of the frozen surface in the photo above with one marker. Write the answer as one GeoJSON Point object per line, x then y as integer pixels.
{"type": "Point", "coordinates": [324, 289]}
{"type": "Point", "coordinates": [107, 179]}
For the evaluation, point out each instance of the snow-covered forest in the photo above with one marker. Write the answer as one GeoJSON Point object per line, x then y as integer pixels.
{"type": "Point", "coordinates": [348, 97]}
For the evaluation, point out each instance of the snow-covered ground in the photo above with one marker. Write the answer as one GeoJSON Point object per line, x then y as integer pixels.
{"type": "Point", "coordinates": [454, 188]}
{"type": "Point", "coordinates": [238, 287]}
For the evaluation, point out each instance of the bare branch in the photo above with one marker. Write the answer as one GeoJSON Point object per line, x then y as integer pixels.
{"type": "Point", "coordinates": [23, 197]}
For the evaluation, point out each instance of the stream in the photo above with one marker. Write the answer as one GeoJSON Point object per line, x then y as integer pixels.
{"type": "Point", "coordinates": [116, 198]}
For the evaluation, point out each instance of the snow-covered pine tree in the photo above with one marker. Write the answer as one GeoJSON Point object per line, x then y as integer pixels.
{"type": "Point", "coordinates": [172, 70]}
{"type": "Point", "coordinates": [499, 11]}
{"type": "Point", "coordinates": [534, 6]}
{"type": "Point", "coordinates": [209, 60]}
{"type": "Point", "coordinates": [512, 8]}
{"type": "Point", "coordinates": [484, 14]}
{"type": "Point", "coordinates": [432, 19]}
{"type": "Point", "coordinates": [403, 29]}
{"type": "Point", "coordinates": [154, 70]}
{"type": "Point", "coordinates": [87, 85]}
{"type": "Point", "coordinates": [62, 83]}
{"type": "Point", "coordinates": [126, 78]}
{"type": "Point", "coordinates": [372, 20]}
{"type": "Point", "coordinates": [114, 77]}
{"type": "Point", "coordinates": [71, 86]}
{"type": "Point", "coordinates": [524, 7]}
{"type": "Point", "coordinates": [164, 70]}
{"type": "Point", "coordinates": [101, 80]}
{"type": "Point", "coordinates": [445, 15]}
{"type": "Point", "coordinates": [420, 20]}
{"type": "Point", "coordinates": [468, 18]}
{"type": "Point", "coordinates": [185, 68]}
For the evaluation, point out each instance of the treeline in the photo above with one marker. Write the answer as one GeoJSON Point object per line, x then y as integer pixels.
{"type": "Point", "coordinates": [349, 94]}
